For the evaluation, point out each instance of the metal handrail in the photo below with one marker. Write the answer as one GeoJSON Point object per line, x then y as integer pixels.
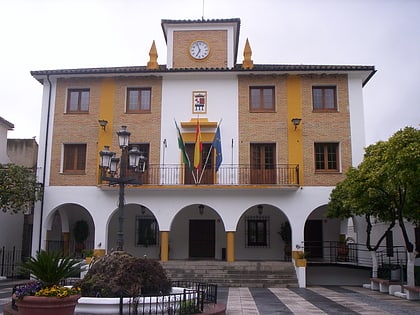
{"type": "Point", "coordinates": [233, 174]}
{"type": "Point", "coordinates": [335, 252]}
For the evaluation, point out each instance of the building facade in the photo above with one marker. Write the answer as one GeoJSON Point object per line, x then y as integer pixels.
{"type": "Point", "coordinates": [288, 133]}
{"type": "Point", "coordinates": [15, 229]}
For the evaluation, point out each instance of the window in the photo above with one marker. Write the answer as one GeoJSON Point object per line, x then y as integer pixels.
{"type": "Point", "coordinates": [326, 157]}
{"type": "Point", "coordinates": [147, 231]}
{"type": "Point", "coordinates": [257, 231]}
{"type": "Point", "coordinates": [138, 100]}
{"type": "Point", "coordinates": [324, 98]}
{"type": "Point", "coordinates": [261, 99]}
{"type": "Point", "coordinates": [74, 158]}
{"type": "Point", "coordinates": [78, 101]}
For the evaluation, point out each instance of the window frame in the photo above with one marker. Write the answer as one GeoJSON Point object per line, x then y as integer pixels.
{"type": "Point", "coordinates": [256, 234]}
{"type": "Point", "coordinates": [261, 108]}
{"type": "Point", "coordinates": [71, 155]}
{"type": "Point", "coordinates": [326, 157]}
{"type": "Point", "coordinates": [79, 109]}
{"type": "Point", "coordinates": [324, 107]}
{"type": "Point", "coordinates": [155, 237]}
{"type": "Point", "coordinates": [138, 109]}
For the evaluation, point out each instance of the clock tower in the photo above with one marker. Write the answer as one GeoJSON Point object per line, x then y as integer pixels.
{"type": "Point", "coordinates": [201, 43]}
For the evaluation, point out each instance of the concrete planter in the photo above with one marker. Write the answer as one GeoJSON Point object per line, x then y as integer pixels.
{"type": "Point", "coordinates": [111, 306]}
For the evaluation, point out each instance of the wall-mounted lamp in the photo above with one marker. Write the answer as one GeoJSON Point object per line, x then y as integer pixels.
{"type": "Point", "coordinates": [296, 122]}
{"type": "Point", "coordinates": [260, 209]}
{"type": "Point", "coordinates": [103, 123]}
{"type": "Point", "coordinates": [201, 209]}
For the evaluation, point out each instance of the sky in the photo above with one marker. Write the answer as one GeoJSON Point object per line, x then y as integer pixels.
{"type": "Point", "coordinates": [62, 34]}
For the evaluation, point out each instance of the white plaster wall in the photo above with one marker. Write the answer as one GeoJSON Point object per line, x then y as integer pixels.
{"type": "Point", "coordinates": [171, 207]}
{"type": "Point", "coordinates": [357, 118]}
{"type": "Point", "coordinates": [222, 101]}
{"type": "Point", "coordinates": [36, 243]}
{"type": "Point", "coordinates": [11, 230]}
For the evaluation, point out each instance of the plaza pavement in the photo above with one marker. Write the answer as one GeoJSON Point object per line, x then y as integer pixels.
{"type": "Point", "coordinates": [312, 300]}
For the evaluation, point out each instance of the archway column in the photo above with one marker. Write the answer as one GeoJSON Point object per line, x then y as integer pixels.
{"type": "Point", "coordinates": [230, 246]}
{"type": "Point", "coordinates": [164, 246]}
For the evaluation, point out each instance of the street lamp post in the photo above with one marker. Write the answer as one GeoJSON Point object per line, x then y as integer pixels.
{"type": "Point", "coordinates": [109, 166]}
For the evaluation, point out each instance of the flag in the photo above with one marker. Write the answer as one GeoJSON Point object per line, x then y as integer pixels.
{"type": "Point", "coordinates": [181, 146]}
{"type": "Point", "coordinates": [217, 145]}
{"type": "Point", "coordinates": [198, 148]}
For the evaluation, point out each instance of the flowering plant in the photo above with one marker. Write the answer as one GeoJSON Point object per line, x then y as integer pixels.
{"type": "Point", "coordinates": [49, 269]}
{"type": "Point", "coordinates": [34, 288]}
{"type": "Point", "coordinates": [58, 291]}
{"type": "Point", "coordinates": [29, 288]}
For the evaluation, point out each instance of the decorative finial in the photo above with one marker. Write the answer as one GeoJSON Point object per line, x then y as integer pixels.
{"type": "Point", "coordinates": [247, 63]}
{"type": "Point", "coordinates": [152, 64]}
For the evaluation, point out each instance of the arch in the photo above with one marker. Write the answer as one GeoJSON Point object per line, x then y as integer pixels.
{"type": "Point", "coordinates": [321, 233]}
{"type": "Point", "coordinates": [59, 225]}
{"type": "Point", "coordinates": [258, 234]}
{"type": "Point", "coordinates": [186, 233]}
{"type": "Point", "coordinates": [138, 219]}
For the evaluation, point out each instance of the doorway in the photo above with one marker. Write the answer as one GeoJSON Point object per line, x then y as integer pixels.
{"type": "Point", "coordinates": [202, 238]}
{"type": "Point", "coordinates": [313, 238]}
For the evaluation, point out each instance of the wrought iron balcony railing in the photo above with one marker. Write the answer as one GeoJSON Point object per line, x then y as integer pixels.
{"type": "Point", "coordinates": [230, 175]}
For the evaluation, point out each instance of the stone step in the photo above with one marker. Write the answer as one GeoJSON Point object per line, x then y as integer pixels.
{"type": "Point", "coordinates": [236, 274]}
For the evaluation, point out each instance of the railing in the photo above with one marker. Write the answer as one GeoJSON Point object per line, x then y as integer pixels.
{"type": "Point", "coordinates": [59, 246]}
{"type": "Point", "coordinates": [334, 252]}
{"type": "Point", "coordinates": [10, 260]}
{"type": "Point", "coordinates": [190, 301]}
{"type": "Point", "coordinates": [239, 174]}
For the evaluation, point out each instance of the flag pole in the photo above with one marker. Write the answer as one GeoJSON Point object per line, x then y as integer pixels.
{"type": "Point", "coordinates": [208, 154]}
{"type": "Point", "coordinates": [185, 153]}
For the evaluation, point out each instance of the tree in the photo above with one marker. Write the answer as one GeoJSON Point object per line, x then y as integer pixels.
{"type": "Point", "coordinates": [386, 186]}
{"type": "Point", "coordinates": [19, 189]}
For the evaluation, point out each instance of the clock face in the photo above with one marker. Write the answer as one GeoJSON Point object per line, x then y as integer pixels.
{"type": "Point", "coordinates": [199, 49]}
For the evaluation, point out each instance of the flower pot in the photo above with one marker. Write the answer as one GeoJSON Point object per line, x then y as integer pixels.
{"type": "Point", "coordinates": [98, 252]}
{"type": "Point", "coordinates": [297, 254]}
{"type": "Point", "coordinates": [42, 305]}
{"type": "Point", "coordinates": [300, 262]}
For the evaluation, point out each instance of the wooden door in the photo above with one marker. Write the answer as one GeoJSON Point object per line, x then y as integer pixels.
{"type": "Point", "coordinates": [263, 165]}
{"type": "Point", "coordinates": [313, 238]}
{"type": "Point", "coordinates": [202, 238]}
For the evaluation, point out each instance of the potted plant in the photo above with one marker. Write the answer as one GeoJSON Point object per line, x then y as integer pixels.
{"type": "Point", "coordinates": [343, 248]}
{"type": "Point", "coordinates": [286, 236]}
{"type": "Point", "coordinates": [46, 295]}
{"type": "Point", "coordinates": [300, 260]}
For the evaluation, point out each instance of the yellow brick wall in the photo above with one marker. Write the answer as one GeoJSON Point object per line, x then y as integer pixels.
{"type": "Point", "coordinates": [325, 127]}
{"type": "Point", "coordinates": [315, 127]}
{"type": "Point", "coordinates": [253, 127]}
{"type": "Point", "coordinates": [84, 128]}
{"type": "Point", "coordinates": [262, 127]}
{"type": "Point", "coordinates": [217, 40]}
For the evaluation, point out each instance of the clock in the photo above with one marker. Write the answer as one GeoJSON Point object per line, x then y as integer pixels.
{"type": "Point", "coordinates": [199, 49]}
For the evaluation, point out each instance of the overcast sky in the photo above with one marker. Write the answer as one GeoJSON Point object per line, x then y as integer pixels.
{"type": "Point", "coordinates": [59, 34]}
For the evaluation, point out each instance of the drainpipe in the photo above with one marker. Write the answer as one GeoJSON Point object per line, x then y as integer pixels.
{"type": "Point", "coordinates": [44, 175]}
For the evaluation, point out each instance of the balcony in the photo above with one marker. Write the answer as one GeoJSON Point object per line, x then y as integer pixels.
{"type": "Point", "coordinates": [280, 175]}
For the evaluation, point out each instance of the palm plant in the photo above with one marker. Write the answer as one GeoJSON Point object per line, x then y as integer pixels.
{"type": "Point", "coordinates": [50, 268]}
